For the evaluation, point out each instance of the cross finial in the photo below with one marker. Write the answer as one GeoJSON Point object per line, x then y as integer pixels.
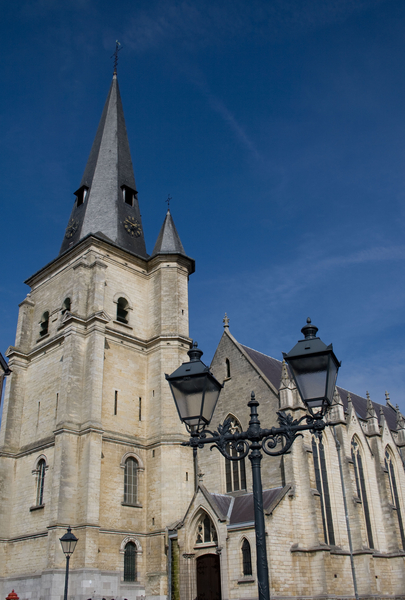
{"type": "Point", "coordinates": [225, 321]}
{"type": "Point", "coordinates": [387, 396]}
{"type": "Point", "coordinates": [200, 477]}
{"type": "Point", "coordinates": [169, 199]}
{"type": "Point", "coordinates": [115, 55]}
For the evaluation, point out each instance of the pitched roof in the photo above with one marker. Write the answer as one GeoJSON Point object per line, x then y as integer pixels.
{"type": "Point", "coordinates": [168, 241]}
{"type": "Point", "coordinates": [271, 368]}
{"type": "Point", "coordinates": [242, 509]}
{"type": "Point", "coordinates": [108, 169]}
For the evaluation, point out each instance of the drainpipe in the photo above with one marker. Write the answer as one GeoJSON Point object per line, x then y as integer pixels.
{"type": "Point", "coordinates": [349, 535]}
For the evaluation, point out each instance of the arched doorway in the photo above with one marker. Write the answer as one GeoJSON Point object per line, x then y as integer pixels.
{"type": "Point", "coordinates": [208, 577]}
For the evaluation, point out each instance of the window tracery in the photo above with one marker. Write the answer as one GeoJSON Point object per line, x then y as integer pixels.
{"type": "Point", "coordinates": [206, 532]}
{"type": "Point", "coordinates": [235, 470]}
{"type": "Point", "coordinates": [322, 485]}
{"type": "Point", "coordinates": [361, 488]}
{"type": "Point", "coordinates": [389, 465]}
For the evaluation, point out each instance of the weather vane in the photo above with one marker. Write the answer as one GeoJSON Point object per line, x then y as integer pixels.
{"type": "Point", "coordinates": [115, 55]}
{"type": "Point", "coordinates": [169, 198]}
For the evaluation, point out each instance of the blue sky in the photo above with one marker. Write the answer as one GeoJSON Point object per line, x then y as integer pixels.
{"type": "Point", "coordinates": [278, 128]}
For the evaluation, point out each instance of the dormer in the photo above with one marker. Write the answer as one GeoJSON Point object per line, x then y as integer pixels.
{"type": "Point", "coordinates": [129, 195]}
{"type": "Point", "coordinates": [81, 195]}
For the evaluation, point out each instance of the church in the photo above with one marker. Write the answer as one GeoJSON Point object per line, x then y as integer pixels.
{"type": "Point", "coordinates": [90, 437]}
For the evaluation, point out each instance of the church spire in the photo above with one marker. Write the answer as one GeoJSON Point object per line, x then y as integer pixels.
{"type": "Point", "coordinates": [106, 203]}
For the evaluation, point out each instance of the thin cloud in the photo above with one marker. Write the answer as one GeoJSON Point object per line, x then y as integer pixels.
{"type": "Point", "coordinates": [194, 25]}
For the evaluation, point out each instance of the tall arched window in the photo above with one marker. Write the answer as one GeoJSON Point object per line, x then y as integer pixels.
{"type": "Point", "coordinates": [122, 310]}
{"type": "Point", "coordinates": [246, 559]}
{"type": "Point", "coordinates": [361, 488]}
{"type": "Point", "coordinates": [41, 467]}
{"type": "Point", "coordinates": [389, 465]}
{"type": "Point", "coordinates": [130, 562]}
{"type": "Point", "coordinates": [206, 532]}
{"type": "Point", "coordinates": [228, 367]}
{"type": "Point", "coordinates": [131, 481]}
{"type": "Point", "coordinates": [44, 324]}
{"type": "Point", "coordinates": [235, 470]}
{"type": "Point", "coordinates": [321, 478]}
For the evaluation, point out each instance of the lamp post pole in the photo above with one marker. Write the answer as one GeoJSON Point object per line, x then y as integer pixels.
{"type": "Point", "coordinates": [65, 597]}
{"type": "Point", "coordinates": [68, 543]}
{"type": "Point", "coordinates": [195, 390]}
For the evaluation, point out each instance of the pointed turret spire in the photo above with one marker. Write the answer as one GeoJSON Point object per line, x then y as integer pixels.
{"type": "Point", "coordinates": [168, 241]}
{"type": "Point", "coordinates": [106, 203]}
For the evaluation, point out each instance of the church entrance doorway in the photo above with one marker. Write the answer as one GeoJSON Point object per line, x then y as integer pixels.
{"type": "Point", "coordinates": [208, 577]}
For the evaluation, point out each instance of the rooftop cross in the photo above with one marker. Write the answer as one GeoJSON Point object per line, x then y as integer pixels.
{"type": "Point", "coordinates": [115, 55]}
{"type": "Point", "coordinates": [169, 198]}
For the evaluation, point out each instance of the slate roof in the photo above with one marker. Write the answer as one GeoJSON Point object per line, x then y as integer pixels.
{"type": "Point", "coordinates": [271, 368]}
{"type": "Point", "coordinates": [242, 510]}
{"type": "Point", "coordinates": [168, 241]}
{"type": "Point", "coordinates": [109, 167]}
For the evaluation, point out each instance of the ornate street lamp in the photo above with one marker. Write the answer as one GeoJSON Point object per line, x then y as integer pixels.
{"type": "Point", "coordinates": [195, 391]}
{"type": "Point", "coordinates": [68, 543]}
{"type": "Point", "coordinates": [314, 367]}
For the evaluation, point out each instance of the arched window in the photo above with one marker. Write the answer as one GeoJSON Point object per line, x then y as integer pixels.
{"type": "Point", "coordinates": [41, 467]}
{"type": "Point", "coordinates": [122, 310]}
{"type": "Point", "coordinates": [66, 305]}
{"type": "Point", "coordinates": [44, 324]}
{"type": "Point", "coordinates": [228, 368]}
{"type": "Point", "coordinates": [235, 471]}
{"type": "Point", "coordinates": [206, 532]}
{"type": "Point", "coordinates": [246, 559]}
{"type": "Point", "coordinates": [131, 481]}
{"type": "Point", "coordinates": [361, 488]}
{"type": "Point", "coordinates": [321, 478]}
{"type": "Point", "coordinates": [130, 562]}
{"type": "Point", "coordinates": [389, 465]}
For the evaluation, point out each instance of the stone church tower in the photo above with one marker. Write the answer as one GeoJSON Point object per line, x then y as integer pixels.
{"type": "Point", "coordinates": [90, 436]}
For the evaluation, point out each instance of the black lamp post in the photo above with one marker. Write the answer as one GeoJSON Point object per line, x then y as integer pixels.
{"type": "Point", "coordinates": [195, 391]}
{"type": "Point", "coordinates": [68, 543]}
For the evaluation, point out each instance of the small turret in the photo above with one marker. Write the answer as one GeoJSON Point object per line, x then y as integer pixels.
{"type": "Point", "coordinates": [168, 241]}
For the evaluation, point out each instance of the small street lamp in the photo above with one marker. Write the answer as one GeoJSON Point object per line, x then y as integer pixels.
{"type": "Point", "coordinates": [68, 543]}
{"type": "Point", "coordinates": [195, 390]}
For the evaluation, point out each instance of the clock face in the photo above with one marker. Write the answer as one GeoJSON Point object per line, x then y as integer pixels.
{"type": "Point", "coordinates": [71, 228]}
{"type": "Point", "coordinates": [132, 227]}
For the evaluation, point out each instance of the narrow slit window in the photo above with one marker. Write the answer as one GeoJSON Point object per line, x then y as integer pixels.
{"type": "Point", "coordinates": [122, 310]}
{"type": "Point", "coordinates": [131, 481]}
{"type": "Point", "coordinates": [246, 559]}
{"type": "Point", "coordinates": [228, 368]}
{"type": "Point", "coordinates": [115, 402]}
{"type": "Point", "coordinates": [140, 409]}
{"type": "Point", "coordinates": [40, 482]}
{"type": "Point", "coordinates": [44, 324]}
